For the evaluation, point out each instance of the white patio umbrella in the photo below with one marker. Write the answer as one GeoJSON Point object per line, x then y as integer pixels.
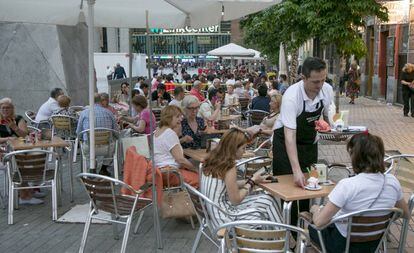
{"type": "Point", "coordinates": [282, 60]}
{"type": "Point", "coordinates": [231, 51]}
{"type": "Point", "coordinates": [127, 14]}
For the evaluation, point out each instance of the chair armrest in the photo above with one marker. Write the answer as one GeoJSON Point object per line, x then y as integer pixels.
{"type": "Point", "coordinates": [305, 217]}
{"type": "Point", "coordinates": [245, 212]}
{"type": "Point", "coordinates": [145, 187]}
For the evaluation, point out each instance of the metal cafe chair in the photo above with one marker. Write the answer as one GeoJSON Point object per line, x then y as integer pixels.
{"type": "Point", "coordinates": [105, 195]}
{"type": "Point", "coordinates": [64, 126]}
{"type": "Point", "coordinates": [255, 117]}
{"type": "Point", "coordinates": [28, 169]}
{"type": "Point", "coordinates": [202, 204]}
{"type": "Point", "coordinates": [402, 168]}
{"type": "Point", "coordinates": [106, 145]}
{"type": "Point", "coordinates": [406, 226]}
{"type": "Point", "coordinates": [362, 226]}
{"type": "Point", "coordinates": [260, 236]}
{"type": "Point", "coordinates": [31, 116]}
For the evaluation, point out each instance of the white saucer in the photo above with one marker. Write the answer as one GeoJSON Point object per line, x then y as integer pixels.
{"type": "Point", "coordinates": [310, 188]}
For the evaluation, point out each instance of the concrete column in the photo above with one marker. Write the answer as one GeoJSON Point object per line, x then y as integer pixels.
{"type": "Point", "coordinates": [124, 40]}
{"type": "Point", "coordinates": [112, 39]}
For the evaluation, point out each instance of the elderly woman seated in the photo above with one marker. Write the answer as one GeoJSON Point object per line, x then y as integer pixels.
{"type": "Point", "coordinates": [140, 123]}
{"type": "Point", "coordinates": [370, 188]}
{"type": "Point", "coordinates": [191, 125]}
{"type": "Point", "coordinates": [12, 126]}
{"type": "Point", "coordinates": [168, 153]}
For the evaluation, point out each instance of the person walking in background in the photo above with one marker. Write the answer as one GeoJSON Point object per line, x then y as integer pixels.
{"type": "Point", "coordinates": [353, 82]}
{"type": "Point", "coordinates": [407, 81]}
{"type": "Point", "coordinates": [119, 72]}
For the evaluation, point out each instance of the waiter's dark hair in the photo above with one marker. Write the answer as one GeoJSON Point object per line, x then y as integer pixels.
{"type": "Point", "coordinates": [367, 153]}
{"type": "Point", "coordinates": [312, 64]}
{"type": "Point", "coordinates": [56, 92]}
{"type": "Point", "coordinates": [262, 89]}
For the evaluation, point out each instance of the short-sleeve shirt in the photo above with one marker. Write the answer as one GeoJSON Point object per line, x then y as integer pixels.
{"type": "Point", "coordinates": [292, 103]}
{"type": "Point", "coordinates": [359, 192]}
{"type": "Point", "coordinates": [261, 103]}
{"type": "Point", "coordinates": [206, 109]}
{"type": "Point", "coordinates": [186, 130]}
{"type": "Point", "coordinates": [145, 116]}
{"type": "Point", "coordinates": [162, 149]}
{"type": "Point", "coordinates": [196, 93]}
{"type": "Point", "coordinates": [46, 110]}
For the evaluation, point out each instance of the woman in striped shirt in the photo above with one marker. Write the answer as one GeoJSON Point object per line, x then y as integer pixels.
{"type": "Point", "coordinates": [219, 183]}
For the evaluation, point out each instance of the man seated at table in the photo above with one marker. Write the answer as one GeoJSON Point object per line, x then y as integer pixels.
{"type": "Point", "coordinates": [210, 108]}
{"type": "Point", "coordinates": [196, 90]}
{"type": "Point", "coordinates": [178, 96]}
{"type": "Point", "coordinates": [160, 95]}
{"type": "Point", "coordinates": [216, 84]}
{"type": "Point", "coordinates": [103, 118]}
{"type": "Point", "coordinates": [51, 105]}
{"type": "Point", "coordinates": [262, 101]}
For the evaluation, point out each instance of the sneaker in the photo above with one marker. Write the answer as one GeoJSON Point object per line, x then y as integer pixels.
{"type": "Point", "coordinates": [39, 194]}
{"type": "Point", "coordinates": [32, 201]}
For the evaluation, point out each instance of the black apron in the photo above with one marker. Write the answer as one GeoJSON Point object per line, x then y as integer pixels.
{"type": "Point", "coordinates": [305, 141]}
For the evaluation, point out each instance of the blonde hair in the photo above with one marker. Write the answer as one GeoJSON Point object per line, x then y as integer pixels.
{"type": "Point", "coordinates": [168, 113]}
{"type": "Point", "coordinates": [223, 157]}
{"type": "Point", "coordinates": [408, 68]}
{"type": "Point", "coordinates": [9, 102]}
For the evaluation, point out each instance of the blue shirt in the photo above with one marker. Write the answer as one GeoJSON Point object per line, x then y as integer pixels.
{"type": "Point", "coordinates": [261, 103]}
{"type": "Point", "coordinates": [103, 118]}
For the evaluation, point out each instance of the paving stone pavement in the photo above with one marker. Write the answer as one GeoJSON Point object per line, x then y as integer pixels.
{"type": "Point", "coordinates": [34, 230]}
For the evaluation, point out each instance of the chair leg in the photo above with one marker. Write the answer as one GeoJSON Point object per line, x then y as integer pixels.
{"type": "Point", "coordinates": [11, 205]}
{"type": "Point", "coordinates": [70, 164]}
{"type": "Point", "coordinates": [403, 236]}
{"type": "Point", "coordinates": [138, 222]}
{"type": "Point", "coordinates": [192, 222]}
{"type": "Point", "coordinates": [197, 239]}
{"type": "Point", "coordinates": [115, 228]}
{"type": "Point", "coordinates": [85, 232]}
{"type": "Point", "coordinates": [126, 234]}
{"type": "Point", "coordinates": [54, 201]}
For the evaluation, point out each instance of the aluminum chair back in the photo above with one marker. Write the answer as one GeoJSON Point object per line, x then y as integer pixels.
{"type": "Point", "coordinates": [256, 116]}
{"type": "Point", "coordinates": [260, 236]}
{"type": "Point", "coordinates": [64, 126]}
{"type": "Point", "coordinates": [365, 226]}
{"type": "Point", "coordinates": [29, 166]}
{"type": "Point", "coordinates": [244, 103]}
{"type": "Point", "coordinates": [105, 194]}
{"type": "Point", "coordinates": [30, 115]}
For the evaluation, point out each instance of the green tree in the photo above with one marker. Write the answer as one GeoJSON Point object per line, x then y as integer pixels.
{"type": "Point", "coordinates": [292, 22]}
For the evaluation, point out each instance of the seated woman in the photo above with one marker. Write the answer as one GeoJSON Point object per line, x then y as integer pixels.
{"type": "Point", "coordinates": [120, 106]}
{"type": "Point", "coordinates": [268, 122]}
{"type": "Point", "coordinates": [12, 126]}
{"type": "Point", "coordinates": [219, 182]}
{"type": "Point", "coordinates": [141, 123]}
{"type": "Point", "coordinates": [168, 152]}
{"type": "Point", "coordinates": [191, 125]}
{"type": "Point", "coordinates": [370, 188]}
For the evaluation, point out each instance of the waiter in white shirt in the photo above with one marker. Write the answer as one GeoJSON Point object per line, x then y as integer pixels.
{"type": "Point", "coordinates": [294, 138]}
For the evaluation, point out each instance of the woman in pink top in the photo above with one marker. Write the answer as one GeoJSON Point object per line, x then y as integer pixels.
{"type": "Point", "coordinates": [141, 123]}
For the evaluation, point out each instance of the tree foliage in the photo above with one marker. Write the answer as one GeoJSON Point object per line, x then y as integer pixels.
{"type": "Point", "coordinates": [292, 22]}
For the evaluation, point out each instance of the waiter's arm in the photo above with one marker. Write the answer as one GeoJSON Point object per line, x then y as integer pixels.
{"type": "Point", "coordinates": [292, 152]}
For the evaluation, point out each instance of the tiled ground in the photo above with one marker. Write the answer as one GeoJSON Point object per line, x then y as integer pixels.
{"type": "Point", "coordinates": [34, 231]}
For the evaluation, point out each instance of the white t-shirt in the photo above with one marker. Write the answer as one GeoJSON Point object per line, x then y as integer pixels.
{"type": "Point", "coordinates": [358, 192]}
{"type": "Point", "coordinates": [292, 103]}
{"type": "Point", "coordinates": [47, 109]}
{"type": "Point", "coordinates": [176, 103]}
{"type": "Point", "coordinates": [162, 149]}
{"type": "Point", "coordinates": [206, 109]}
{"type": "Point", "coordinates": [231, 99]}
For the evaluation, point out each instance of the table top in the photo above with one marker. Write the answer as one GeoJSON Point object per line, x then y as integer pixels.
{"type": "Point", "coordinates": [200, 155]}
{"type": "Point", "coordinates": [288, 191]}
{"type": "Point", "coordinates": [229, 117]}
{"type": "Point", "coordinates": [55, 142]}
